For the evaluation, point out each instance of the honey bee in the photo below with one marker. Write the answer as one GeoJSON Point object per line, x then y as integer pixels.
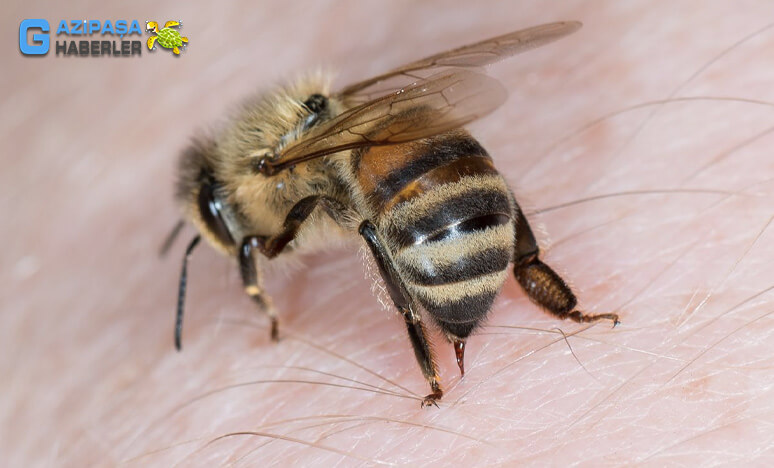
{"type": "Point", "coordinates": [386, 158]}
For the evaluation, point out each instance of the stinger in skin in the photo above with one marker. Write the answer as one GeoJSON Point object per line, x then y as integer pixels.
{"type": "Point", "coordinates": [386, 159]}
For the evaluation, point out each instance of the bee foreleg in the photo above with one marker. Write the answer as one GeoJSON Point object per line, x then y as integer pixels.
{"type": "Point", "coordinates": [252, 282]}
{"type": "Point", "coordinates": [405, 304]}
{"type": "Point", "coordinates": [543, 285]}
{"type": "Point", "coordinates": [272, 246]}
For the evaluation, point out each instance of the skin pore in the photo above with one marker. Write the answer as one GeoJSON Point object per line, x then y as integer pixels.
{"type": "Point", "coordinates": [639, 147]}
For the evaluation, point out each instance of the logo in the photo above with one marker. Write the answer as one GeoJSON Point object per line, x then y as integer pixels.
{"type": "Point", "coordinates": [40, 42]}
{"type": "Point", "coordinates": [89, 38]}
{"type": "Point", "coordinates": [167, 37]}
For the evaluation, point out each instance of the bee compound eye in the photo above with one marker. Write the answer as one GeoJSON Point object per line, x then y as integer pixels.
{"type": "Point", "coordinates": [211, 209]}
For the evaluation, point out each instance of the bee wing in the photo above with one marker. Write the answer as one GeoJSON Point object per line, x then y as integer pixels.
{"type": "Point", "coordinates": [473, 55]}
{"type": "Point", "coordinates": [441, 103]}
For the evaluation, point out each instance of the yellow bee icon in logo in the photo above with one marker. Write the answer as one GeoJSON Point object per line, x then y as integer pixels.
{"type": "Point", "coordinates": [167, 38]}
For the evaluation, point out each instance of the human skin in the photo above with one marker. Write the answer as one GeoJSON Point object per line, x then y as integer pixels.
{"type": "Point", "coordinates": [679, 245]}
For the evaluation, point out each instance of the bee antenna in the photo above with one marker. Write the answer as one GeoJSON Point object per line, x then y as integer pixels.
{"type": "Point", "coordinates": [171, 238]}
{"type": "Point", "coordinates": [181, 291]}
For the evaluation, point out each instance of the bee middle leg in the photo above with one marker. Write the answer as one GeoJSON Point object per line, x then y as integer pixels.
{"type": "Point", "coordinates": [541, 283]}
{"type": "Point", "coordinates": [405, 304]}
{"type": "Point", "coordinates": [272, 246]}
{"type": "Point", "coordinates": [252, 281]}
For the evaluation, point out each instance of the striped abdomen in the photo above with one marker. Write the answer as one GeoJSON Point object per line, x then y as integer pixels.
{"type": "Point", "coordinates": [447, 216]}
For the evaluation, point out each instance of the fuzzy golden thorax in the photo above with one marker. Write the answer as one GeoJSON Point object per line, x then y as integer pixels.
{"type": "Point", "coordinates": [265, 123]}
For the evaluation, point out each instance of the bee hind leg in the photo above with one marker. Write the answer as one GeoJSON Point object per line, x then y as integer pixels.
{"type": "Point", "coordinates": [541, 283]}
{"type": "Point", "coordinates": [252, 282]}
{"type": "Point", "coordinates": [405, 304]}
{"type": "Point", "coordinates": [272, 246]}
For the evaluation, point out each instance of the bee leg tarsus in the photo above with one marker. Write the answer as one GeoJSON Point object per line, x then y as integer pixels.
{"type": "Point", "coordinates": [432, 399]}
{"type": "Point", "coordinates": [580, 317]}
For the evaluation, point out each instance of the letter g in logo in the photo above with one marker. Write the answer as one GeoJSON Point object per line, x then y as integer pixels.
{"type": "Point", "coordinates": [40, 43]}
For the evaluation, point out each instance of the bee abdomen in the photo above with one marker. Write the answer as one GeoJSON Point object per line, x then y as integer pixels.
{"type": "Point", "coordinates": [447, 215]}
{"type": "Point", "coordinates": [456, 280]}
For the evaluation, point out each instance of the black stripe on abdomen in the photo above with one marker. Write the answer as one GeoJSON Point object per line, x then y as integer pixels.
{"type": "Point", "coordinates": [467, 212]}
{"type": "Point", "coordinates": [468, 226]}
{"type": "Point", "coordinates": [428, 154]}
{"type": "Point", "coordinates": [461, 316]}
{"type": "Point", "coordinates": [427, 273]}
